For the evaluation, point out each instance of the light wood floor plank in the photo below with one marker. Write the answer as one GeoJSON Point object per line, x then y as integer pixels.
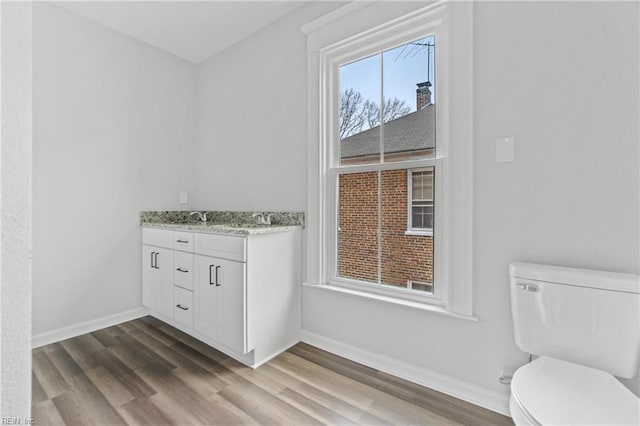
{"type": "Point", "coordinates": [48, 375]}
{"type": "Point", "coordinates": [134, 354]}
{"type": "Point", "coordinates": [71, 411]}
{"type": "Point", "coordinates": [37, 392]}
{"type": "Point", "coordinates": [313, 409]}
{"type": "Point", "coordinates": [125, 375]}
{"type": "Point", "coordinates": [65, 365]}
{"type": "Point", "coordinates": [340, 406]}
{"type": "Point", "coordinates": [46, 413]}
{"type": "Point", "coordinates": [265, 407]}
{"type": "Point", "coordinates": [180, 395]}
{"type": "Point", "coordinates": [82, 350]}
{"type": "Point", "coordinates": [105, 337]}
{"type": "Point", "coordinates": [255, 376]}
{"type": "Point", "coordinates": [143, 412]}
{"type": "Point", "coordinates": [112, 389]}
{"type": "Point", "coordinates": [94, 402]}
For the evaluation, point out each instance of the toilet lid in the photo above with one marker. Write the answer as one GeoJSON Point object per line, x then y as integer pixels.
{"type": "Point", "coordinates": [555, 392]}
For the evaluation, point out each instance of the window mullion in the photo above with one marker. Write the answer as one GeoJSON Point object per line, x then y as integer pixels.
{"type": "Point", "coordinates": [381, 112]}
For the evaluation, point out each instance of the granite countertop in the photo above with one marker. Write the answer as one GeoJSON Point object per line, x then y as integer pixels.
{"type": "Point", "coordinates": [222, 222]}
{"type": "Point", "coordinates": [223, 228]}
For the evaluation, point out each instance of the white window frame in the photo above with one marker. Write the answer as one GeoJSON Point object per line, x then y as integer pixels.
{"type": "Point", "coordinates": [411, 230]}
{"type": "Point", "coordinates": [356, 32]}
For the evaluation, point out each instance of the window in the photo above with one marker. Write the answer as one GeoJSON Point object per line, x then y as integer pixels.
{"type": "Point", "coordinates": [390, 174]}
{"type": "Point", "coordinates": [420, 201]}
{"type": "Point", "coordinates": [416, 285]}
{"type": "Point", "coordinates": [386, 116]}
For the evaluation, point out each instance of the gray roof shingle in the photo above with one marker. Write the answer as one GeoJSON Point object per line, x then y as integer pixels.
{"type": "Point", "coordinates": [411, 132]}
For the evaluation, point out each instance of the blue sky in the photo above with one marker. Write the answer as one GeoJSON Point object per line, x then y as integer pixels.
{"type": "Point", "coordinates": [404, 67]}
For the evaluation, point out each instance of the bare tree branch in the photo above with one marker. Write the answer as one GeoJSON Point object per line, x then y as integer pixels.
{"type": "Point", "coordinates": [354, 113]}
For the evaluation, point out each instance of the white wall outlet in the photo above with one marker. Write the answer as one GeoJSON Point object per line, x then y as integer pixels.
{"type": "Point", "coordinates": [184, 198]}
{"type": "Point", "coordinates": [505, 150]}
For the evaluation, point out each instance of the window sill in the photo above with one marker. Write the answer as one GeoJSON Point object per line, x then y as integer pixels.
{"type": "Point", "coordinates": [391, 300]}
{"type": "Point", "coordinates": [419, 233]}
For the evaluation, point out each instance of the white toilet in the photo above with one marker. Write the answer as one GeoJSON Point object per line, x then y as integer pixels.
{"type": "Point", "coordinates": [584, 326]}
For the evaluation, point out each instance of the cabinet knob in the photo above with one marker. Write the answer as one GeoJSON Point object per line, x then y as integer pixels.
{"type": "Point", "coordinates": [217, 281]}
{"type": "Point", "coordinates": [182, 307]}
{"type": "Point", "coordinates": [182, 241]}
{"type": "Point", "coordinates": [182, 270]}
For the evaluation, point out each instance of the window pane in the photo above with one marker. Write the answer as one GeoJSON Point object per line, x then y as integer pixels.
{"type": "Point", "coordinates": [409, 101]}
{"type": "Point", "coordinates": [359, 111]}
{"type": "Point", "coordinates": [358, 226]}
{"type": "Point", "coordinates": [404, 258]}
{"type": "Point", "coordinates": [422, 216]}
{"type": "Point", "coordinates": [422, 185]}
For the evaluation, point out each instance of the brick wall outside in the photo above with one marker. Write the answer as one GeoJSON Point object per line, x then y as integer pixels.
{"type": "Point", "coordinates": [404, 257]}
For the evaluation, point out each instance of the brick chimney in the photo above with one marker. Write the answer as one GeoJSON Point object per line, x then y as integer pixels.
{"type": "Point", "coordinates": [423, 95]}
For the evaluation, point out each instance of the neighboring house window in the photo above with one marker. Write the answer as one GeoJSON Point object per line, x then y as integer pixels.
{"type": "Point", "coordinates": [390, 195]}
{"type": "Point", "coordinates": [416, 285]}
{"type": "Point", "coordinates": [420, 200]}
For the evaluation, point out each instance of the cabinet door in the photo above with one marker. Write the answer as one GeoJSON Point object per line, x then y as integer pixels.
{"type": "Point", "coordinates": [220, 301]}
{"type": "Point", "coordinates": [205, 298]}
{"type": "Point", "coordinates": [157, 279]}
{"type": "Point", "coordinates": [232, 304]}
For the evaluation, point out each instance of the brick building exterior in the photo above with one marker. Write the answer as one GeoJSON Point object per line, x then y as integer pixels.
{"type": "Point", "coordinates": [404, 257]}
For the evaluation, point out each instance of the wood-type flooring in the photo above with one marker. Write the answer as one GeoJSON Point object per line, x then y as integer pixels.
{"type": "Point", "coordinates": [145, 372]}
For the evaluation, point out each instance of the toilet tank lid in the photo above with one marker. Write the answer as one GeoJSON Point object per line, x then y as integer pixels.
{"type": "Point", "coordinates": [604, 280]}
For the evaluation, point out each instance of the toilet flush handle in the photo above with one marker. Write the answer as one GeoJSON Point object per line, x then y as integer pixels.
{"type": "Point", "coordinates": [528, 287]}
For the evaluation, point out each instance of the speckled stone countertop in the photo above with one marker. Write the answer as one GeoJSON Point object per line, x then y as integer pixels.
{"type": "Point", "coordinates": [222, 222]}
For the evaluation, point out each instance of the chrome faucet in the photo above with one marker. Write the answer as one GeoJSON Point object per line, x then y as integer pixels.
{"type": "Point", "coordinates": [262, 219]}
{"type": "Point", "coordinates": [202, 217]}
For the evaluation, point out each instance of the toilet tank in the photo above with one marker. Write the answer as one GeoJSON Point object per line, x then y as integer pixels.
{"type": "Point", "coordinates": [577, 315]}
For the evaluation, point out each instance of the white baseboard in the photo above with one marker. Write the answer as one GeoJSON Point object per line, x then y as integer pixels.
{"type": "Point", "coordinates": [86, 327]}
{"type": "Point", "coordinates": [490, 400]}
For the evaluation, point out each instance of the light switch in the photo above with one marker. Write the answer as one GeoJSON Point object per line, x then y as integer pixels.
{"type": "Point", "coordinates": [184, 197]}
{"type": "Point", "coordinates": [505, 149]}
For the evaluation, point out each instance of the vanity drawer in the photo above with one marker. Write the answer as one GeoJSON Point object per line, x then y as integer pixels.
{"type": "Point", "coordinates": [183, 270]}
{"type": "Point", "coordinates": [157, 237]}
{"type": "Point", "coordinates": [183, 241]}
{"type": "Point", "coordinates": [222, 246]}
{"type": "Point", "coordinates": [183, 306]}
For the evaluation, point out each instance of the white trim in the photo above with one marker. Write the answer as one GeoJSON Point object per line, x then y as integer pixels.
{"type": "Point", "coordinates": [392, 297]}
{"type": "Point", "coordinates": [421, 233]}
{"type": "Point", "coordinates": [400, 293]}
{"type": "Point", "coordinates": [427, 21]}
{"type": "Point", "coordinates": [457, 388]}
{"type": "Point", "coordinates": [354, 6]}
{"type": "Point", "coordinates": [86, 327]}
{"type": "Point", "coordinates": [340, 38]}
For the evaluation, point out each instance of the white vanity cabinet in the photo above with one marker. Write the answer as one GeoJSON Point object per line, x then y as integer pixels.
{"type": "Point", "coordinates": [157, 276]}
{"type": "Point", "coordinates": [237, 293]}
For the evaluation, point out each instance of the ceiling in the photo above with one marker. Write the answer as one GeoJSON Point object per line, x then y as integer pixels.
{"type": "Point", "coordinates": [193, 30]}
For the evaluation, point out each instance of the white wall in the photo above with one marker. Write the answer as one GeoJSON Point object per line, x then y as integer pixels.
{"type": "Point", "coordinates": [15, 221]}
{"type": "Point", "coordinates": [113, 135]}
{"type": "Point", "coordinates": [251, 125]}
{"type": "Point", "coordinates": [559, 77]}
